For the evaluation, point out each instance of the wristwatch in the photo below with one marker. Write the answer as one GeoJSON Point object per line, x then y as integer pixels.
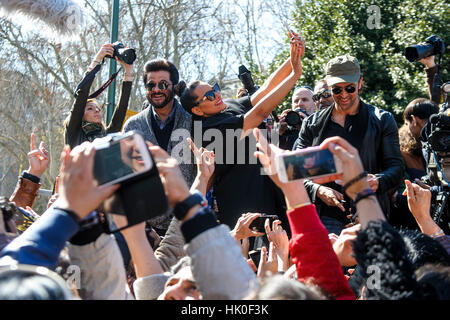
{"type": "Point", "coordinates": [181, 208]}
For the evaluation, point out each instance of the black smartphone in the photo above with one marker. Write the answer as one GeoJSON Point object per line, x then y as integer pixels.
{"type": "Point", "coordinates": [258, 223]}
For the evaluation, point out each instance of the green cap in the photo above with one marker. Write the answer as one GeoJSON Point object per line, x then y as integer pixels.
{"type": "Point", "coordinates": [342, 69]}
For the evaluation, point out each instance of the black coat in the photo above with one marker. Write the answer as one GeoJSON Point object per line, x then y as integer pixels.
{"type": "Point", "coordinates": [380, 151]}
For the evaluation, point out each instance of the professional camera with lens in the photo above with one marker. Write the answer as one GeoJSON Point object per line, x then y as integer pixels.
{"type": "Point", "coordinates": [127, 55]}
{"type": "Point", "coordinates": [432, 46]}
{"type": "Point", "coordinates": [293, 118]}
{"type": "Point", "coordinates": [246, 78]}
{"type": "Point", "coordinates": [438, 149]}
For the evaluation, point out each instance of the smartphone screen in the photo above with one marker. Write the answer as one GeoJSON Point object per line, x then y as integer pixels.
{"type": "Point", "coordinates": [121, 159]}
{"type": "Point", "coordinates": [306, 165]}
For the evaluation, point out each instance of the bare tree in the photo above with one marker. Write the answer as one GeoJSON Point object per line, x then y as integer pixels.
{"type": "Point", "coordinates": [205, 39]}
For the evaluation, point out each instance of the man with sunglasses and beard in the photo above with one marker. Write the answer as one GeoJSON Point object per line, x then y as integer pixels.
{"type": "Point", "coordinates": [322, 95]}
{"type": "Point", "coordinates": [369, 129]}
{"type": "Point", "coordinates": [163, 121]}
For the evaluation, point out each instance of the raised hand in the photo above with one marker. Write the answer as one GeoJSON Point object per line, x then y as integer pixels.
{"type": "Point", "coordinates": [38, 158]}
{"type": "Point", "coordinates": [106, 50]}
{"type": "Point", "coordinates": [268, 263]}
{"type": "Point", "coordinates": [419, 203]}
{"type": "Point", "coordinates": [78, 190]}
{"type": "Point", "coordinates": [204, 159]}
{"type": "Point", "coordinates": [278, 236]}
{"type": "Point", "coordinates": [351, 161]}
{"type": "Point", "coordinates": [241, 230]}
{"type": "Point", "coordinates": [55, 195]}
{"type": "Point", "coordinates": [297, 51]}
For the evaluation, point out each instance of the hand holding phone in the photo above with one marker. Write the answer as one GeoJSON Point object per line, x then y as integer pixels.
{"type": "Point", "coordinates": [258, 223]}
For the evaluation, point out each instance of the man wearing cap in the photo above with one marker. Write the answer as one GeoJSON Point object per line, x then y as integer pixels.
{"type": "Point", "coordinates": [369, 129]}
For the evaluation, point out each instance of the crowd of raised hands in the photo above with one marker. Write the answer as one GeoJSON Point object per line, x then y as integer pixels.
{"type": "Point", "coordinates": [218, 261]}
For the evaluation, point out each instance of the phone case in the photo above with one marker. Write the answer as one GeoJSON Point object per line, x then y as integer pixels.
{"type": "Point", "coordinates": [282, 172]}
{"type": "Point", "coordinates": [145, 155]}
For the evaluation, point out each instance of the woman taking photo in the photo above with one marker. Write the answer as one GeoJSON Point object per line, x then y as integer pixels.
{"type": "Point", "coordinates": [84, 122]}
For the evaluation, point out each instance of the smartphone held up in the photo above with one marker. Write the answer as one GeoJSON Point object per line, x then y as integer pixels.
{"type": "Point", "coordinates": [125, 158]}
{"type": "Point", "coordinates": [320, 166]}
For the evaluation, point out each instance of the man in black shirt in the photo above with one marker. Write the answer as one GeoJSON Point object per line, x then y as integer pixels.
{"type": "Point", "coordinates": [369, 129]}
{"type": "Point", "coordinates": [239, 183]}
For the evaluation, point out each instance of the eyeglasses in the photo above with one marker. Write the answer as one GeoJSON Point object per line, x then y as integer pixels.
{"type": "Point", "coordinates": [325, 94]}
{"type": "Point", "coordinates": [162, 85]}
{"type": "Point", "coordinates": [337, 90]}
{"type": "Point", "coordinates": [211, 94]}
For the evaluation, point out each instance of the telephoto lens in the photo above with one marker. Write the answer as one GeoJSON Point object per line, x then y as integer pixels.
{"type": "Point", "coordinates": [432, 46]}
{"type": "Point", "coordinates": [127, 55]}
{"type": "Point", "coordinates": [293, 118]}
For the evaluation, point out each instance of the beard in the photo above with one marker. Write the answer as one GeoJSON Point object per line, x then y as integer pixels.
{"type": "Point", "coordinates": [169, 97]}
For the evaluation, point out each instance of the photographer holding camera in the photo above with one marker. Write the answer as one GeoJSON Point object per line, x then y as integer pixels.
{"type": "Point", "coordinates": [434, 128]}
{"type": "Point", "coordinates": [291, 120]}
{"type": "Point", "coordinates": [84, 122]}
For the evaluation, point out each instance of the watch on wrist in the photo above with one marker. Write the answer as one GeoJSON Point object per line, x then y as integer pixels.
{"type": "Point", "coordinates": [181, 208]}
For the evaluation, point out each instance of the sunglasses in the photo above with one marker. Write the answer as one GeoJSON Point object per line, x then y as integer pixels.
{"type": "Point", "coordinates": [350, 89]}
{"type": "Point", "coordinates": [162, 85]}
{"type": "Point", "coordinates": [211, 94]}
{"type": "Point", "coordinates": [325, 94]}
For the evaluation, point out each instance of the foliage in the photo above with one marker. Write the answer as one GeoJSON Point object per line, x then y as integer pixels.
{"type": "Point", "coordinates": [336, 27]}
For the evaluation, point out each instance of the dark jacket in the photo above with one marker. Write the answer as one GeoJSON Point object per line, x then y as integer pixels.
{"type": "Point", "coordinates": [380, 151]}
{"type": "Point", "coordinates": [73, 132]}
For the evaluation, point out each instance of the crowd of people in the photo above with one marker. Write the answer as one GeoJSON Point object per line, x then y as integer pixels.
{"type": "Point", "coordinates": [367, 235]}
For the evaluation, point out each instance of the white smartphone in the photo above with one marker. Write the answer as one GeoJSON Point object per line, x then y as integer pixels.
{"type": "Point", "coordinates": [122, 158]}
{"type": "Point", "coordinates": [310, 163]}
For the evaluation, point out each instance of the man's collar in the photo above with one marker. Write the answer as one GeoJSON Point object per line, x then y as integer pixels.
{"type": "Point", "coordinates": [171, 114]}
{"type": "Point", "coordinates": [357, 109]}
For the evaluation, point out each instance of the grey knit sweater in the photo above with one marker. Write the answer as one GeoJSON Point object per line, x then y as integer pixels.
{"type": "Point", "coordinates": [177, 148]}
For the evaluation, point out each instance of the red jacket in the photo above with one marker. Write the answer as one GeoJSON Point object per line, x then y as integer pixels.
{"type": "Point", "coordinates": [313, 254]}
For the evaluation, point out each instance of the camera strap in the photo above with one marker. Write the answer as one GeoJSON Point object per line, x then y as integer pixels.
{"type": "Point", "coordinates": [90, 76]}
{"type": "Point", "coordinates": [105, 85]}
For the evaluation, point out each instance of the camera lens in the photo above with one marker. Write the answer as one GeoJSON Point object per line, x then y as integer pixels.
{"type": "Point", "coordinates": [293, 118]}
{"type": "Point", "coordinates": [127, 55]}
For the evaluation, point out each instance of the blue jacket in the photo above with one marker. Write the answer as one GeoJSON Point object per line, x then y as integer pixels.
{"type": "Point", "coordinates": [43, 241]}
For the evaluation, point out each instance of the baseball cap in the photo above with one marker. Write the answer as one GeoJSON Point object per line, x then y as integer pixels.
{"type": "Point", "coordinates": [342, 69]}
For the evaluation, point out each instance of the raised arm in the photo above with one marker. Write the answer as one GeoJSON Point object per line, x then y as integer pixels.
{"type": "Point", "coordinates": [79, 194]}
{"type": "Point", "coordinates": [273, 80]}
{"type": "Point", "coordinates": [73, 126]}
{"type": "Point", "coordinates": [121, 110]}
{"type": "Point", "coordinates": [310, 248]}
{"type": "Point", "coordinates": [269, 101]}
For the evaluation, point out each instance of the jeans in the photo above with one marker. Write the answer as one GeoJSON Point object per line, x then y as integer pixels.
{"type": "Point", "coordinates": [332, 225]}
